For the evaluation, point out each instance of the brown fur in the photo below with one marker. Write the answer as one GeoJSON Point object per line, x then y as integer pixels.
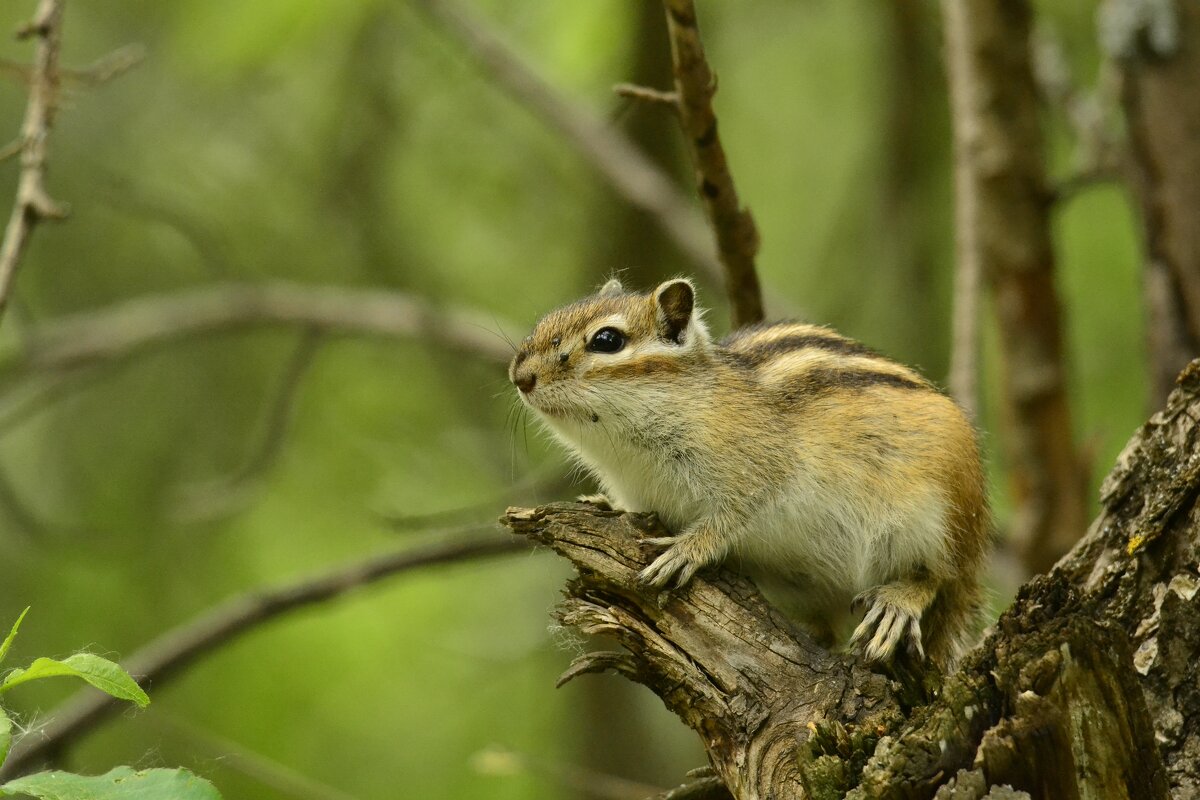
{"type": "Point", "coordinates": [713, 436]}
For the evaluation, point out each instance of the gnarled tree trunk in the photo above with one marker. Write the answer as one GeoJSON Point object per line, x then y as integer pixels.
{"type": "Point", "coordinates": [1085, 688]}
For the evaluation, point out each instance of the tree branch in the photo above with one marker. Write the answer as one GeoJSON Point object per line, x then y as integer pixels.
{"type": "Point", "coordinates": [731, 667]}
{"type": "Point", "coordinates": [123, 329]}
{"type": "Point", "coordinates": [210, 499]}
{"type": "Point", "coordinates": [733, 227]}
{"type": "Point", "coordinates": [33, 203]}
{"type": "Point", "coordinates": [1003, 226]}
{"type": "Point", "coordinates": [634, 176]}
{"type": "Point", "coordinates": [177, 649]}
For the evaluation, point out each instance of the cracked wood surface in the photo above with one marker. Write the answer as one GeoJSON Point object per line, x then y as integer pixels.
{"type": "Point", "coordinates": [728, 665]}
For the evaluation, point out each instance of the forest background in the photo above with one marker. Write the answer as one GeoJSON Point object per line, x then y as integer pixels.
{"type": "Point", "coordinates": [361, 145]}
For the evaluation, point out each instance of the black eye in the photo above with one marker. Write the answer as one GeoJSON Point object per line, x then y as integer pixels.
{"type": "Point", "coordinates": [606, 340]}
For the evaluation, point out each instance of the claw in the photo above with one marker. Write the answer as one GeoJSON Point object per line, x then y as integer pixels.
{"type": "Point", "coordinates": [883, 628]}
{"type": "Point", "coordinates": [600, 501]}
{"type": "Point", "coordinates": [660, 541]}
{"type": "Point", "coordinates": [676, 563]}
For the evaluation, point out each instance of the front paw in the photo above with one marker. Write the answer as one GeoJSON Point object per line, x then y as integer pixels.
{"type": "Point", "coordinates": [683, 557]}
{"type": "Point", "coordinates": [886, 625]}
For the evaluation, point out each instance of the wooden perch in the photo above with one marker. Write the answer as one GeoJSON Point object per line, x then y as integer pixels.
{"type": "Point", "coordinates": [730, 666]}
{"type": "Point", "coordinates": [1085, 688]}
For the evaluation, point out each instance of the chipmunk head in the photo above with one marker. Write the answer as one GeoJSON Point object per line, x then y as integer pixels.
{"type": "Point", "coordinates": [611, 343]}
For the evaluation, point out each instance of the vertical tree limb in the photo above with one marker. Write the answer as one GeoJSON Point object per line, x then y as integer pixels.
{"type": "Point", "coordinates": [33, 203]}
{"type": "Point", "coordinates": [1003, 226]}
{"type": "Point", "coordinates": [1160, 59]}
{"type": "Point", "coordinates": [733, 226]}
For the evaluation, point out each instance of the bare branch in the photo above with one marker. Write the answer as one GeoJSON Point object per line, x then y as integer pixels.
{"type": "Point", "coordinates": [586, 782]}
{"type": "Point", "coordinates": [647, 95]}
{"type": "Point", "coordinates": [274, 775]}
{"type": "Point", "coordinates": [213, 499]}
{"type": "Point", "coordinates": [1003, 226]}
{"type": "Point", "coordinates": [108, 67]}
{"type": "Point", "coordinates": [33, 203]}
{"type": "Point", "coordinates": [634, 176]}
{"type": "Point", "coordinates": [175, 650]}
{"type": "Point", "coordinates": [123, 329]}
{"type": "Point", "coordinates": [734, 228]}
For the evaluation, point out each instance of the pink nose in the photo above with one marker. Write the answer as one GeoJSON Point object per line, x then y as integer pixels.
{"type": "Point", "coordinates": [525, 381]}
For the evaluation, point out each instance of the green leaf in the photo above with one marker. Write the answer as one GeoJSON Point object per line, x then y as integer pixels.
{"type": "Point", "coordinates": [5, 735]}
{"type": "Point", "coordinates": [99, 672]}
{"type": "Point", "coordinates": [12, 635]}
{"type": "Point", "coordinates": [122, 783]}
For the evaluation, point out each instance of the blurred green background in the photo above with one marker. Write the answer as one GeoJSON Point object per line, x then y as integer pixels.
{"type": "Point", "coordinates": [356, 144]}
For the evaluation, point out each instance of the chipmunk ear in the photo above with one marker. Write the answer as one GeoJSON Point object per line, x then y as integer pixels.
{"type": "Point", "coordinates": [612, 289]}
{"type": "Point", "coordinates": [674, 302]}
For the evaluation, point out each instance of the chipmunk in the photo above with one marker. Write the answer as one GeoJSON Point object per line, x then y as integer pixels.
{"type": "Point", "coordinates": [824, 471]}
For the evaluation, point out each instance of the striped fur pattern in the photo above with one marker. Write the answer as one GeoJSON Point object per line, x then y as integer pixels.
{"type": "Point", "coordinates": [828, 473]}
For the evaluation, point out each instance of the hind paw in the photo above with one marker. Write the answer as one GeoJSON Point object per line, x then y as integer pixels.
{"type": "Point", "coordinates": [600, 501]}
{"type": "Point", "coordinates": [887, 624]}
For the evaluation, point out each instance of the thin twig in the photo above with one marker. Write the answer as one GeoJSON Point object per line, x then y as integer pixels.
{"type": "Point", "coordinates": [259, 767]}
{"type": "Point", "coordinates": [1100, 152]}
{"type": "Point", "coordinates": [501, 761]}
{"type": "Point", "coordinates": [122, 329]}
{"type": "Point", "coordinates": [733, 226]}
{"type": "Point", "coordinates": [214, 498]}
{"type": "Point", "coordinates": [170, 653]}
{"type": "Point", "coordinates": [108, 67]}
{"type": "Point", "coordinates": [98, 73]}
{"type": "Point", "coordinates": [646, 94]}
{"type": "Point", "coordinates": [634, 176]}
{"type": "Point", "coordinates": [33, 203]}
{"type": "Point", "coordinates": [11, 149]}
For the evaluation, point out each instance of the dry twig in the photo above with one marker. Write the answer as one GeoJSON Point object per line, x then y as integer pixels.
{"type": "Point", "coordinates": [734, 228]}
{"type": "Point", "coordinates": [212, 499]}
{"type": "Point", "coordinates": [33, 203]}
{"type": "Point", "coordinates": [170, 653]}
{"type": "Point", "coordinates": [646, 94]}
{"type": "Point", "coordinates": [123, 329]}
{"type": "Point", "coordinates": [634, 176]}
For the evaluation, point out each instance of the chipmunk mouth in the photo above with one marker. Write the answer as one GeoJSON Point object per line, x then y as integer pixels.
{"type": "Point", "coordinates": [555, 410]}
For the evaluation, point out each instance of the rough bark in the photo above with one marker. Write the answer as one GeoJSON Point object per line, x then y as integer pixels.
{"type": "Point", "coordinates": [727, 664]}
{"type": "Point", "coordinates": [1160, 57]}
{"type": "Point", "coordinates": [1003, 232]}
{"type": "Point", "coordinates": [1083, 689]}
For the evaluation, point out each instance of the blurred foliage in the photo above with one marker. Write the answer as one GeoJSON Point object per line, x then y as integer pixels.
{"type": "Point", "coordinates": [120, 783]}
{"type": "Point", "coordinates": [353, 143]}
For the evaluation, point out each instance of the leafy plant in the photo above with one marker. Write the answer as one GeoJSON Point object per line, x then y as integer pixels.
{"type": "Point", "coordinates": [121, 783]}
